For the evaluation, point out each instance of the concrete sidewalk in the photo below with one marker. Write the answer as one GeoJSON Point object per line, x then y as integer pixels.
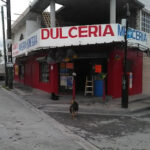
{"type": "Point", "coordinates": [88, 104]}
{"type": "Point", "coordinates": [99, 125]}
{"type": "Point", "coordinates": [23, 127]}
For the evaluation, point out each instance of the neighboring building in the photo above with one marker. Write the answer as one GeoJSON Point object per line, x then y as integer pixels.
{"type": "Point", "coordinates": [2, 66]}
{"type": "Point", "coordinates": [146, 71]}
{"type": "Point", "coordinates": [88, 40]}
{"type": "Point", "coordinates": [145, 22]}
{"type": "Point", "coordinates": [145, 26]}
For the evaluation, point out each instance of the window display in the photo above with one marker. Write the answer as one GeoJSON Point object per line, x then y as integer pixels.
{"type": "Point", "coordinates": [44, 72]}
{"type": "Point", "coordinates": [66, 79]}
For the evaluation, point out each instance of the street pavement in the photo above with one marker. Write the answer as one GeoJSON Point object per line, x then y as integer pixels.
{"type": "Point", "coordinates": [23, 127]}
{"type": "Point", "coordinates": [101, 125]}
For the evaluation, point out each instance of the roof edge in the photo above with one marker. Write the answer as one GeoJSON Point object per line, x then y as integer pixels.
{"type": "Point", "coordinates": [139, 3]}
{"type": "Point", "coordinates": [21, 17]}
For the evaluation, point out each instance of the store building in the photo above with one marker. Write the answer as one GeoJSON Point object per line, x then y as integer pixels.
{"type": "Point", "coordinates": [89, 43]}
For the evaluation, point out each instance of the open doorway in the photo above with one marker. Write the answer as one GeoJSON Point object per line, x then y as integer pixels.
{"type": "Point", "coordinates": [85, 67]}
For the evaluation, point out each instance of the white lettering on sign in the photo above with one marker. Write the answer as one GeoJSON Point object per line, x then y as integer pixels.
{"type": "Point", "coordinates": [132, 34]}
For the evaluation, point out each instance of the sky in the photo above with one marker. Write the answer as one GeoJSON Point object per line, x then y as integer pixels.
{"type": "Point", "coordinates": [146, 2]}
{"type": "Point", "coordinates": [18, 6]}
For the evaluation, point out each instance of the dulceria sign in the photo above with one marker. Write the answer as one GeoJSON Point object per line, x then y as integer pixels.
{"type": "Point", "coordinates": [78, 35]}
{"type": "Point", "coordinates": [77, 32]}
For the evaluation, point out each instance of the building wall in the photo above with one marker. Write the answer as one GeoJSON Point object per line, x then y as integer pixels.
{"type": "Point", "coordinates": [138, 19]}
{"type": "Point", "coordinates": [146, 75]}
{"type": "Point", "coordinates": [115, 65]}
{"type": "Point", "coordinates": [32, 26]}
{"type": "Point", "coordinates": [146, 72]}
{"type": "Point", "coordinates": [148, 35]}
{"type": "Point", "coordinates": [27, 29]}
{"type": "Point", "coordinates": [16, 35]}
{"type": "Point", "coordinates": [32, 75]}
{"type": "Point", "coordinates": [115, 72]}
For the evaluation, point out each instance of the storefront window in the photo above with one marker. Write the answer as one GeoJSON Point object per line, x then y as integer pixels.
{"type": "Point", "coordinates": [145, 22]}
{"type": "Point", "coordinates": [21, 71]}
{"type": "Point", "coordinates": [66, 79]}
{"type": "Point", "coordinates": [44, 72]}
{"type": "Point", "coordinates": [16, 70]}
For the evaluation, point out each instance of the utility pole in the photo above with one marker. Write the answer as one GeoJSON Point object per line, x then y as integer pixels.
{"type": "Point", "coordinates": [4, 46]}
{"type": "Point", "coordinates": [124, 101]}
{"type": "Point", "coordinates": [9, 46]}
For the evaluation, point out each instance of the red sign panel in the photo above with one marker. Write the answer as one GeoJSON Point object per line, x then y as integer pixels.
{"type": "Point", "coordinates": [98, 68]}
{"type": "Point", "coordinates": [69, 66]}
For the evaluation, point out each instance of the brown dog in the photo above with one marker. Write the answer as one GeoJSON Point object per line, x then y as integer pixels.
{"type": "Point", "coordinates": [74, 108]}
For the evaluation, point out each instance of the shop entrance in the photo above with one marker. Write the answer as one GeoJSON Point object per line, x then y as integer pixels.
{"type": "Point", "coordinates": [83, 68]}
{"type": "Point", "coordinates": [86, 67]}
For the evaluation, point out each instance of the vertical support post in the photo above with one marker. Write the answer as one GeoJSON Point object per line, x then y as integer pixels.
{"type": "Point", "coordinates": [112, 11]}
{"type": "Point", "coordinates": [125, 76]}
{"type": "Point", "coordinates": [9, 46]}
{"type": "Point", "coordinates": [4, 46]}
{"type": "Point", "coordinates": [52, 14]}
{"type": "Point", "coordinates": [52, 19]}
{"type": "Point", "coordinates": [73, 89]}
{"type": "Point", "coordinates": [74, 86]}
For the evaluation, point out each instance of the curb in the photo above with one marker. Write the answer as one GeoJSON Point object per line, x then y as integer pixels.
{"type": "Point", "coordinates": [140, 110]}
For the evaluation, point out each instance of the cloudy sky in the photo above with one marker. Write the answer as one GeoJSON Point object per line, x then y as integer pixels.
{"type": "Point", "coordinates": [146, 2]}
{"type": "Point", "coordinates": [18, 6]}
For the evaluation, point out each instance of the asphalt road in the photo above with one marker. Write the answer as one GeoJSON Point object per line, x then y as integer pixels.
{"type": "Point", "coordinates": [106, 125]}
{"type": "Point", "coordinates": [103, 131]}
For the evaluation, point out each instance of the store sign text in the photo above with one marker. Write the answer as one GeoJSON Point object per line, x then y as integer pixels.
{"type": "Point", "coordinates": [78, 35]}
{"type": "Point", "coordinates": [77, 32]}
{"type": "Point", "coordinates": [132, 34]}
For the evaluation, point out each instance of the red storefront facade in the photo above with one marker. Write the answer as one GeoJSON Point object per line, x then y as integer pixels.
{"type": "Point", "coordinates": [106, 40]}
{"type": "Point", "coordinates": [32, 76]}
{"type": "Point", "coordinates": [114, 74]}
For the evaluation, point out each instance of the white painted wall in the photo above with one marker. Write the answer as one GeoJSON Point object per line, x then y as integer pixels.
{"type": "Point", "coordinates": [138, 19]}
{"type": "Point", "coordinates": [112, 11]}
{"type": "Point", "coordinates": [32, 26]}
{"type": "Point", "coordinates": [146, 72]}
{"type": "Point", "coordinates": [16, 35]}
{"type": "Point", "coordinates": [27, 29]}
{"type": "Point", "coordinates": [146, 75]}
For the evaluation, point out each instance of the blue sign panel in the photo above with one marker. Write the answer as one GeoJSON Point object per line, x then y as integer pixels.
{"type": "Point", "coordinates": [32, 41]}
{"type": "Point", "coordinates": [132, 34]}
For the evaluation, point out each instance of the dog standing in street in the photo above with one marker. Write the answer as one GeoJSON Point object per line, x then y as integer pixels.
{"type": "Point", "coordinates": [74, 108]}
